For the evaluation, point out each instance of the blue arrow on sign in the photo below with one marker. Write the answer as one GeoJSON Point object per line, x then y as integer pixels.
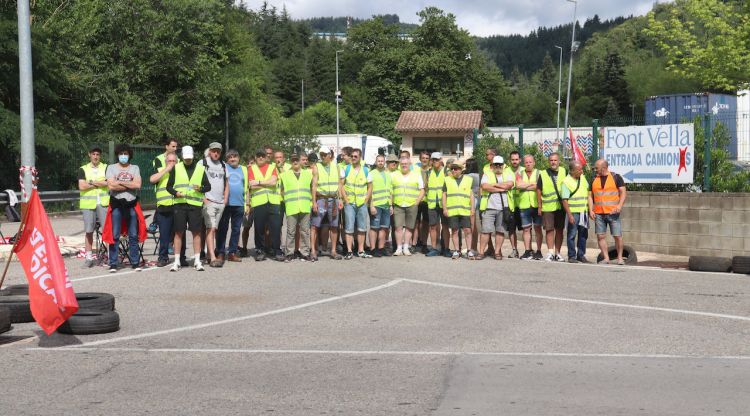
{"type": "Point", "coordinates": [631, 176]}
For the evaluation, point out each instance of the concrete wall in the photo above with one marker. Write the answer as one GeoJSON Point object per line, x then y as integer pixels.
{"type": "Point", "coordinates": [686, 224]}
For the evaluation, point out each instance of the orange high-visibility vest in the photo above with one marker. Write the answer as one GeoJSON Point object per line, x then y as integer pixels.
{"type": "Point", "coordinates": [606, 198]}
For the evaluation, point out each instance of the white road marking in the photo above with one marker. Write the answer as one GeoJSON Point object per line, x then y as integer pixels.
{"type": "Point", "coordinates": [101, 276]}
{"type": "Point", "coordinates": [240, 318]}
{"type": "Point", "coordinates": [584, 301]}
{"type": "Point", "coordinates": [386, 352]}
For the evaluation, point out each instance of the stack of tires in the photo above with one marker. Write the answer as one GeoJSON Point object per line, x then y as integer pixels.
{"type": "Point", "coordinates": [96, 313]}
{"type": "Point", "coordinates": [737, 264]}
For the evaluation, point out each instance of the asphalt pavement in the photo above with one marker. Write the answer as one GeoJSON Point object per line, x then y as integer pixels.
{"type": "Point", "coordinates": [395, 336]}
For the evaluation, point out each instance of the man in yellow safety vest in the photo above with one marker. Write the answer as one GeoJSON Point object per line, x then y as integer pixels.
{"type": "Point", "coordinates": [408, 192]}
{"type": "Point", "coordinates": [549, 200]}
{"type": "Point", "coordinates": [575, 201]}
{"type": "Point", "coordinates": [459, 207]}
{"type": "Point", "coordinates": [92, 184]}
{"type": "Point", "coordinates": [353, 190]}
{"type": "Point", "coordinates": [296, 190]}
{"type": "Point", "coordinates": [164, 215]}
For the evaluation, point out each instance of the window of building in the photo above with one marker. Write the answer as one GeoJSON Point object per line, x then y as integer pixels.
{"type": "Point", "coordinates": [444, 145]}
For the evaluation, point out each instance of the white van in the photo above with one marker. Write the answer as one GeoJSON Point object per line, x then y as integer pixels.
{"type": "Point", "coordinates": [370, 145]}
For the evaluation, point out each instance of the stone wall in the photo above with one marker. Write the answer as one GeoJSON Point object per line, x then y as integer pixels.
{"type": "Point", "coordinates": [685, 224]}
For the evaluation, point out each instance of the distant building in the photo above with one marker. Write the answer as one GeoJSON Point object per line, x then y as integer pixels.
{"type": "Point", "coordinates": [341, 36]}
{"type": "Point", "coordinates": [448, 132]}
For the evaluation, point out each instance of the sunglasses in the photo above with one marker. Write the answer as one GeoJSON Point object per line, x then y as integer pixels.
{"type": "Point", "coordinates": [455, 168]}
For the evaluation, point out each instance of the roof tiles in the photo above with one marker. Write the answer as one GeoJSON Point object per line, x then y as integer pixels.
{"type": "Point", "coordinates": [438, 121]}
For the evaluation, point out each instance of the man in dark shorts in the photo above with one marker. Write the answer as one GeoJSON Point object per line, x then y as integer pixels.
{"type": "Point", "coordinates": [326, 190]}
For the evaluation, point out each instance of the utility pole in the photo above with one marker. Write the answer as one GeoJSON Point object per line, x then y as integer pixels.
{"type": "Point", "coordinates": [570, 69]}
{"type": "Point", "coordinates": [559, 91]}
{"type": "Point", "coordinates": [226, 127]}
{"type": "Point", "coordinates": [26, 87]}
{"type": "Point", "coordinates": [338, 100]}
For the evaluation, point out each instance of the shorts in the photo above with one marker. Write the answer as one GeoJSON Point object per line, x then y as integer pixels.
{"type": "Point", "coordinates": [328, 213]}
{"type": "Point", "coordinates": [614, 222]}
{"type": "Point", "coordinates": [422, 212]}
{"type": "Point", "coordinates": [355, 215]}
{"type": "Point", "coordinates": [516, 221]}
{"type": "Point", "coordinates": [91, 216]}
{"type": "Point", "coordinates": [492, 221]}
{"type": "Point", "coordinates": [405, 216]}
{"type": "Point", "coordinates": [187, 217]}
{"type": "Point", "coordinates": [212, 214]}
{"type": "Point", "coordinates": [529, 217]}
{"type": "Point", "coordinates": [381, 219]}
{"type": "Point", "coordinates": [459, 221]}
{"type": "Point", "coordinates": [435, 215]}
{"type": "Point", "coordinates": [553, 220]}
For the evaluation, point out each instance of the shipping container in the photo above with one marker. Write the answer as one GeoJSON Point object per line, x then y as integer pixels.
{"type": "Point", "coordinates": [678, 108]}
{"type": "Point", "coordinates": [743, 126]}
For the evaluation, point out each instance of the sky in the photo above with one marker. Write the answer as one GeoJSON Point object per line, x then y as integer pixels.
{"type": "Point", "coordinates": [479, 17]}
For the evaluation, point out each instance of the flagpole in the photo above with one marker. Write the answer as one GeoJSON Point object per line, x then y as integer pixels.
{"type": "Point", "coordinates": [15, 243]}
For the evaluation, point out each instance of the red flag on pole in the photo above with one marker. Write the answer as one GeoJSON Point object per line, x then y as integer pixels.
{"type": "Point", "coordinates": [577, 153]}
{"type": "Point", "coordinates": [50, 291]}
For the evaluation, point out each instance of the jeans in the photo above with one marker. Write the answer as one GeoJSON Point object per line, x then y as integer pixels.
{"type": "Point", "coordinates": [234, 215]}
{"type": "Point", "coordinates": [128, 214]}
{"type": "Point", "coordinates": [355, 215]}
{"type": "Point", "coordinates": [268, 215]}
{"type": "Point", "coordinates": [164, 220]}
{"type": "Point", "coordinates": [583, 235]}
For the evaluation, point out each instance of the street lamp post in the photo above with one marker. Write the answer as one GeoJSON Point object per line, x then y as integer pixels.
{"type": "Point", "coordinates": [570, 69]}
{"type": "Point", "coordinates": [559, 91]}
{"type": "Point", "coordinates": [338, 100]}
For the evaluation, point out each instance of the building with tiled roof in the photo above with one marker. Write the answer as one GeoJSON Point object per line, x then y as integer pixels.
{"type": "Point", "coordinates": [448, 132]}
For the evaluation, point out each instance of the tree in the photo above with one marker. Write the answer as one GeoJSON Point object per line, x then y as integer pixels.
{"type": "Point", "coordinates": [705, 40]}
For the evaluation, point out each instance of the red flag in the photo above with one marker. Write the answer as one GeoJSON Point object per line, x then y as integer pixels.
{"type": "Point", "coordinates": [50, 291]}
{"type": "Point", "coordinates": [577, 153]}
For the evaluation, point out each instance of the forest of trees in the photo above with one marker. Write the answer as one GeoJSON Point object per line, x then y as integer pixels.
{"type": "Point", "coordinates": [132, 71]}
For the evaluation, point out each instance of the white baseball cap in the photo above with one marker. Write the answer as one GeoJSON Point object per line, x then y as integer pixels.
{"type": "Point", "coordinates": [187, 152]}
{"type": "Point", "coordinates": [436, 155]}
{"type": "Point", "coordinates": [325, 150]}
{"type": "Point", "coordinates": [498, 159]}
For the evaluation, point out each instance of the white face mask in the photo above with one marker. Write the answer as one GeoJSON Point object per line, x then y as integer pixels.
{"type": "Point", "coordinates": [123, 159]}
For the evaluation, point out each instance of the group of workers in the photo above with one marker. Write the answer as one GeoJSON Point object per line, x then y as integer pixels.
{"type": "Point", "coordinates": [394, 207]}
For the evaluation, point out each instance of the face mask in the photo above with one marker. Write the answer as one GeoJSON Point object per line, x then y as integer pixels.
{"type": "Point", "coordinates": [123, 159]}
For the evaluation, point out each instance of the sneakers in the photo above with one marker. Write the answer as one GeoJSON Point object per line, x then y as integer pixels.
{"type": "Point", "coordinates": [364, 255]}
{"type": "Point", "coordinates": [198, 266]}
{"type": "Point", "coordinates": [386, 252]}
{"type": "Point", "coordinates": [348, 256]}
{"type": "Point", "coordinates": [113, 269]}
{"type": "Point", "coordinates": [447, 253]}
{"type": "Point", "coordinates": [289, 258]}
{"type": "Point", "coordinates": [377, 252]}
{"type": "Point", "coordinates": [407, 252]}
{"type": "Point", "coordinates": [620, 262]}
{"type": "Point", "coordinates": [432, 253]}
{"type": "Point", "coordinates": [399, 252]}
{"type": "Point", "coordinates": [538, 255]}
{"type": "Point", "coordinates": [137, 268]}
{"type": "Point", "coordinates": [471, 255]}
{"type": "Point", "coordinates": [550, 257]}
{"type": "Point", "coordinates": [162, 263]}
{"type": "Point", "coordinates": [528, 255]}
{"type": "Point", "coordinates": [513, 254]}
{"type": "Point", "coordinates": [175, 267]}
{"type": "Point", "coordinates": [583, 259]}
{"type": "Point", "coordinates": [559, 258]}
{"type": "Point", "coordinates": [455, 255]}
{"type": "Point", "coordinates": [281, 258]}
{"type": "Point", "coordinates": [336, 256]}
{"type": "Point", "coordinates": [572, 260]}
{"type": "Point", "coordinates": [260, 257]}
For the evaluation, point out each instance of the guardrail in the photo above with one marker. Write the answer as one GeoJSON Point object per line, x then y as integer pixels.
{"type": "Point", "coordinates": [47, 196]}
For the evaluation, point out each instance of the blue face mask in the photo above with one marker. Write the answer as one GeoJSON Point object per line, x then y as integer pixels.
{"type": "Point", "coordinates": [123, 159]}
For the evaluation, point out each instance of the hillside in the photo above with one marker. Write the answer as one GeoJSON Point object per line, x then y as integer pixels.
{"type": "Point", "coordinates": [339, 24]}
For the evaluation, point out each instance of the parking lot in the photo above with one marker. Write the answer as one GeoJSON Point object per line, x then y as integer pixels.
{"type": "Point", "coordinates": [395, 336]}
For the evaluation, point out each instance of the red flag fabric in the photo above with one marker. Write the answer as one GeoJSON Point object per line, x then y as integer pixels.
{"type": "Point", "coordinates": [577, 153]}
{"type": "Point", "coordinates": [50, 291]}
{"type": "Point", "coordinates": [107, 236]}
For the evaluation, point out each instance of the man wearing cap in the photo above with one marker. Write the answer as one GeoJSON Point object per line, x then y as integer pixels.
{"type": "Point", "coordinates": [458, 206]}
{"type": "Point", "coordinates": [92, 184]}
{"type": "Point", "coordinates": [495, 206]}
{"type": "Point", "coordinates": [379, 188]}
{"type": "Point", "coordinates": [408, 192]}
{"type": "Point", "coordinates": [549, 199]}
{"type": "Point", "coordinates": [214, 200]}
{"type": "Point", "coordinates": [237, 180]}
{"type": "Point", "coordinates": [296, 190]}
{"type": "Point", "coordinates": [266, 204]}
{"type": "Point", "coordinates": [353, 190]}
{"type": "Point", "coordinates": [164, 215]}
{"type": "Point", "coordinates": [325, 217]}
{"type": "Point", "coordinates": [188, 185]}
{"type": "Point", "coordinates": [436, 218]}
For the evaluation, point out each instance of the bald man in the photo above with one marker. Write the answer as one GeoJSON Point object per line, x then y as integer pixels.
{"type": "Point", "coordinates": [575, 197]}
{"type": "Point", "coordinates": [606, 200]}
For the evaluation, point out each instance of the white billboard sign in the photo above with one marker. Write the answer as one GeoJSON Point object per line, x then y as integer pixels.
{"type": "Point", "coordinates": [651, 154]}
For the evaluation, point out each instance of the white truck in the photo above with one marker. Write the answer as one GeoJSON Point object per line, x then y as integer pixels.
{"type": "Point", "coordinates": [370, 145]}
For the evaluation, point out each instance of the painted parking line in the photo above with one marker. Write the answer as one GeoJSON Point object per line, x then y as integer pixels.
{"type": "Point", "coordinates": [118, 274]}
{"type": "Point", "coordinates": [396, 353]}
{"type": "Point", "coordinates": [240, 318]}
{"type": "Point", "coordinates": [583, 301]}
